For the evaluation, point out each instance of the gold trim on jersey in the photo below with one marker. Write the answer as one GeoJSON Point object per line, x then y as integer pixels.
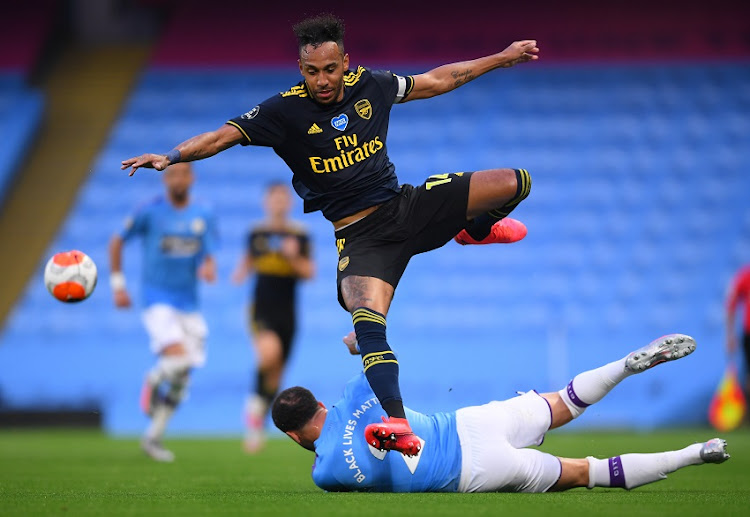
{"type": "Point", "coordinates": [238, 127]}
{"type": "Point", "coordinates": [299, 91]}
{"type": "Point", "coordinates": [274, 264]}
{"type": "Point", "coordinates": [352, 78]}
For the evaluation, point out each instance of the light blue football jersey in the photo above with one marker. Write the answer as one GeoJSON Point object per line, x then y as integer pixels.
{"type": "Point", "coordinates": [345, 462]}
{"type": "Point", "coordinates": [175, 242]}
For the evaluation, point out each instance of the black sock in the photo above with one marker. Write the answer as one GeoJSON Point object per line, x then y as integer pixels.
{"type": "Point", "coordinates": [378, 360]}
{"type": "Point", "coordinates": [262, 389]}
{"type": "Point", "coordinates": [479, 227]}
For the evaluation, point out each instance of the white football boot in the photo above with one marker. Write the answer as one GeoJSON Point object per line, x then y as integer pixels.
{"type": "Point", "coordinates": [255, 415]}
{"type": "Point", "coordinates": [661, 350]}
{"type": "Point", "coordinates": [156, 451]}
{"type": "Point", "coordinates": [715, 451]}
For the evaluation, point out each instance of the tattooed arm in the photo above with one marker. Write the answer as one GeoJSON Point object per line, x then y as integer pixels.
{"type": "Point", "coordinates": [449, 77]}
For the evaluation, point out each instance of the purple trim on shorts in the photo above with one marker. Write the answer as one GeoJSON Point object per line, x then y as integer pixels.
{"type": "Point", "coordinates": [559, 476]}
{"type": "Point", "coordinates": [550, 419]}
{"type": "Point", "coordinates": [616, 473]}
{"type": "Point", "coordinates": [574, 398]}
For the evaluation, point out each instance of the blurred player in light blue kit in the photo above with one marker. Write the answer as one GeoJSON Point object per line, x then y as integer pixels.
{"type": "Point", "coordinates": [178, 238]}
{"type": "Point", "coordinates": [456, 455]}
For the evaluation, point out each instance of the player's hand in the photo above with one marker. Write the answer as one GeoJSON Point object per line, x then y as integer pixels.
{"type": "Point", "coordinates": [520, 52]}
{"type": "Point", "coordinates": [122, 299]}
{"type": "Point", "coordinates": [147, 161]}
{"type": "Point", "coordinates": [239, 275]}
{"type": "Point", "coordinates": [290, 247]}
{"type": "Point", "coordinates": [350, 340]}
{"type": "Point", "coordinates": [207, 271]}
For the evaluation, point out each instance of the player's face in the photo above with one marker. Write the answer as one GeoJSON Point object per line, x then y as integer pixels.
{"type": "Point", "coordinates": [178, 178]}
{"type": "Point", "coordinates": [278, 201]}
{"type": "Point", "coordinates": [323, 68]}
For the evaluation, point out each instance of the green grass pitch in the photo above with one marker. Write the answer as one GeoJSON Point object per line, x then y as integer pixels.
{"type": "Point", "coordinates": [87, 473]}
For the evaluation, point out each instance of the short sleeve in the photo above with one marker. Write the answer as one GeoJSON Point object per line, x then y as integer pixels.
{"type": "Point", "coordinates": [135, 224]}
{"type": "Point", "coordinates": [262, 125]}
{"type": "Point", "coordinates": [395, 87]}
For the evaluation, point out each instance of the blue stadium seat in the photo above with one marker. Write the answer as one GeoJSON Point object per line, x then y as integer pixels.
{"type": "Point", "coordinates": [637, 219]}
{"type": "Point", "coordinates": [21, 109]}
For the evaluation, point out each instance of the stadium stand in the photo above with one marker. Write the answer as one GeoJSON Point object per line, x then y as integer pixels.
{"type": "Point", "coordinates": [637, 219]}
{"type": "Point", "coordinates": [636, 222]}
{"type": "Point", "coordinates": [21, 111]}
{"type": "Point", "coordinates": [21, 106]}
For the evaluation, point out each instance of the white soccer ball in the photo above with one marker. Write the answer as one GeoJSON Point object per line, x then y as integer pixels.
{"type": "Point", "coordinates": [70, 276]}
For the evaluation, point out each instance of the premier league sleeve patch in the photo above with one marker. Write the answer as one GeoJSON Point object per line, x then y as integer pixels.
{"type": "Point", "coordinates": [251, 114]}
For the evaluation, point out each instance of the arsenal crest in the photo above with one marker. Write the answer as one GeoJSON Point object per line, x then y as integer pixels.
{"type": "Point", "coordinates": [364, 109]}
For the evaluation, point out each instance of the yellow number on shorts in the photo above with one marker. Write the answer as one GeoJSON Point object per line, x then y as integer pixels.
{"type": "Point", "coordinates": [437, 179]}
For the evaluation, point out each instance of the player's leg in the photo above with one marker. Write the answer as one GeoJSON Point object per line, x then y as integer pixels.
{"type": "Point", "coordinates": [178, 341]}
{"type": "Point", "coordinates": [591, 386]}
{"type": "Point", "coordinates": [173, 368]}
{"type": "Point", "coordinates": [493, 194]}
{"type": "Point", "coordinates": [368, 300]}
{"type": "Point", "coordinates": [494, 438]}
{"type": "Point", "coordinates": [633, 470]}
{"type": "Point", "coordinates": [264, 386]}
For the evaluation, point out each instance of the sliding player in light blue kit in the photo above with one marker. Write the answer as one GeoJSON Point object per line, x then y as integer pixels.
{"type": "Point", "coordinates": [178, 238]}
{"type": "Point", "coordinates": [456, 455]}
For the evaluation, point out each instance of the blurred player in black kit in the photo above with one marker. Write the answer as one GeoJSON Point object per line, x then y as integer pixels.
{"type": "Point", "coordinates": [331, 131]}
{"type": "Point", "coordinates": [278, 252]}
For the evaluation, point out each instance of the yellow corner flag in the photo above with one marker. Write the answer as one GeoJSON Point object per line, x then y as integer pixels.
{"type": "Point", "coordinates": [727, 408]}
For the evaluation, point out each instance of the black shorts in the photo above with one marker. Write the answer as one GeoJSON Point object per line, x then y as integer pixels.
{"type": "Point", "coordinates": [746, 350]}
{"type": "Point", "coordinates": [277, 319]}
{"type": "Point", "coordinates": [419, 219]}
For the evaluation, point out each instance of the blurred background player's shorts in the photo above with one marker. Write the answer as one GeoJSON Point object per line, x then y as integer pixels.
{"type": "Point", "coordinates": [168, 326]}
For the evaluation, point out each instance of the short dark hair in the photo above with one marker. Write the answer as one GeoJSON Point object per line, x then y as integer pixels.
{"type": "Point", "coordinates": [293, 408]}
{"type": "Point", "coordinates": [273, 185]}
{"type": "Point", "coordinates": [319, 29]}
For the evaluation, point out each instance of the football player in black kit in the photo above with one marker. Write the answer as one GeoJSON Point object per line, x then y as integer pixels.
{"type": "Point", "coordinates": [278, 252]}
{"type": "Point", "coordinates": [331, 131]}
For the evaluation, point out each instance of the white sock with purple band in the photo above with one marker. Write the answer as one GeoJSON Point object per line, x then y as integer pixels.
{"type": "Point", "coordinates": [634, 470]}
{"type": "Point", "coordinates": [590, 387]}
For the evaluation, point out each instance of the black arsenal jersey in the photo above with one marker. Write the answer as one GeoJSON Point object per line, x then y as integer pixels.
{"type": "Point", "coordinates": [337, 153]}
{"type": "Point", "coordinates": [276, 280]}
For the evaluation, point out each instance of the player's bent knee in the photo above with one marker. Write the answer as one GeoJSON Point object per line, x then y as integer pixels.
{"type": "Point", "coordinates": [525, 182]}
{"type": "Point", "coordinates": [523, 186]}
{"type": "Point", "coordinates": [175, 367]}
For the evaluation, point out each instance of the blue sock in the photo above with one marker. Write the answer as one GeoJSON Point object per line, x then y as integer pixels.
{"type": "Point", "coordinates": [378, 360]}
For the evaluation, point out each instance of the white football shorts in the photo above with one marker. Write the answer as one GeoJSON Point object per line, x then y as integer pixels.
{"type": "Point", "coordinates": [166, 326]}
{"type": "Point", "coordinates": [493, 439]}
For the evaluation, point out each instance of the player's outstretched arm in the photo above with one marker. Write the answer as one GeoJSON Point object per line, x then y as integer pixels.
{"type": "Point", "coordinates": [449, 77]}
{"type": "Point", "coordinates": [196, 148]}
